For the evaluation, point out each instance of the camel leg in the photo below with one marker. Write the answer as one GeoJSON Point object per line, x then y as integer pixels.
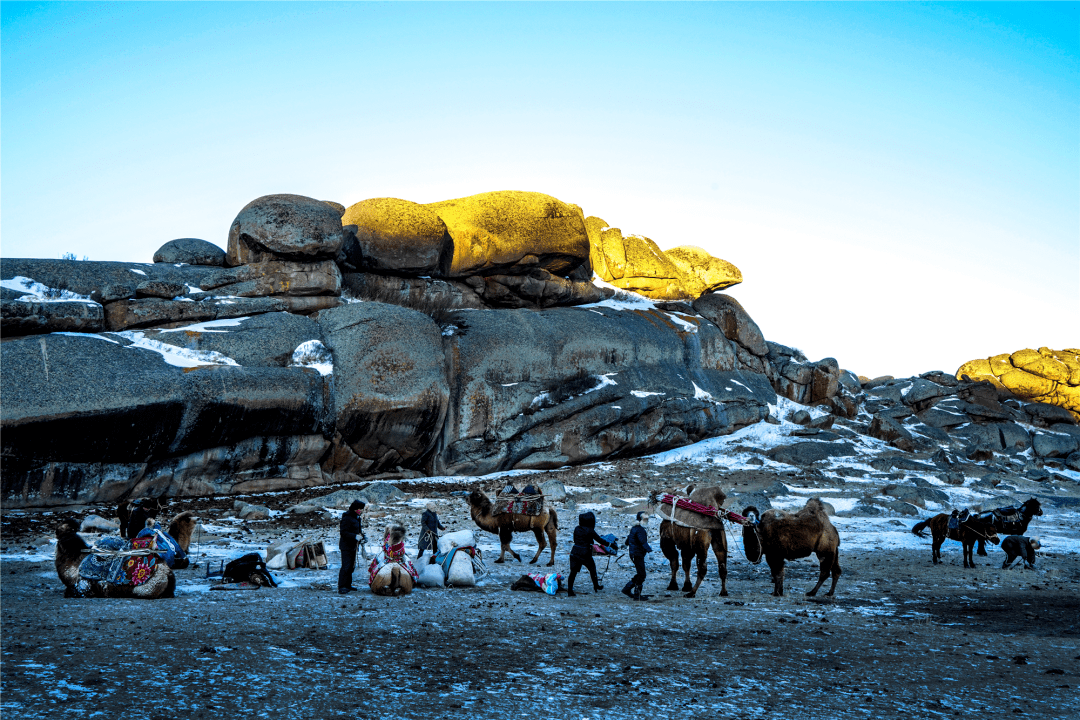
{"type": "Point", "coordinates": [667, 547]}
{"type": "Point", "coordinates": [552, 534]}
{"type": "Point", "coordinates": [836, 571]}
{"type": "Point", "coordinates": [687, 557]}
{"type": "Point", "coordinates": [720, 551]}
{"type": "Point", "coordinates": [541, 543]}
{"type": "Point", "coordinates": [702, 569]}
{"type": "Point", "coordinates": [825, 563]}
{"type": "Point", "coordinates": [776, 564]}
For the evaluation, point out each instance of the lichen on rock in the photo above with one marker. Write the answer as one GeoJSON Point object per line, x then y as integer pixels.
{"type": "Point", "coordinates": [1043, 375]}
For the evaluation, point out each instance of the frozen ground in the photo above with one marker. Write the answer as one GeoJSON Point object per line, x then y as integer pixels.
{"type": "Point", "coordinates": [902, 638]}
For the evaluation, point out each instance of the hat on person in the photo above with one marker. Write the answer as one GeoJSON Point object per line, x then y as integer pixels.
{"type": "Point", "coordinates": [1035, 542]}
{"type": "Point", "coordinates": [643, 515]}
{"type": "Point", "coordinates": [357, 505]}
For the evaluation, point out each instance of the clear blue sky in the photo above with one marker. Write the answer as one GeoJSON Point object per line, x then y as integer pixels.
{"type": "Point", "coordinates": [899, 183]}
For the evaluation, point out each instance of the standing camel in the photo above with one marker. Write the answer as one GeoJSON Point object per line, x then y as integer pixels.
{"type": "Point", "coordinates": [781, 536]}
{"type": "Point", "coordinates": [692, 534]}
{"type": "Point", "coordinates": [972, 529]}
{"type": "Point", "coordinates": [506, 524]}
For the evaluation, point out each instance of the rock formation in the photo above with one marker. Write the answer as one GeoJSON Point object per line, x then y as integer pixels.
{"type": "Point", "coordinates": [450, 338]}
{"type": "Point", "coordinates": [1043, 375]}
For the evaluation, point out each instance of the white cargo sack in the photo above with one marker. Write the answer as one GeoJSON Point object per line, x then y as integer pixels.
{"type": "Point", "coordinates": [278, 562]}
{"type": "Point", "coordinates": [461, 571]}
{"type": "Point", "coordinates": [461, 538]}
{"type": "Point", "coordinates": [431, 575]}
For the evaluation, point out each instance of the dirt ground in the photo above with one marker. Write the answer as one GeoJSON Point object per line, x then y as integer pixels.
{"type": "Point", "coordinates": [902, 639]}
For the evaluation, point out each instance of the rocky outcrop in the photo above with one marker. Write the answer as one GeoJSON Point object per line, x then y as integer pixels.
{"type": "Point", "coordinates": [1044, 375]}
{"type": "Point", "coordinates": [276, 277]}
{"type": "Point", "coordinates": [799, 379]}
{"type": "Point", "coordinates": [398, 237]}
{"type": "Point", "coordinates": [284, 227]}
{"type": "Point", "coordinates": [31, 316]}
{"type": "Point", "coordinates": [190, 251]}
{"type": "Point", "coordinates": [536, 390]}
{"type": "Point", "coordinates": [633, 263]}
{"type": "Point", "coordinates": [701, 272]}
{"type": "Point", "coordinates": [510, 233]}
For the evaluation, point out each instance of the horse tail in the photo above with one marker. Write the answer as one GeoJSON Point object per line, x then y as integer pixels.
{"type": "Point", "coordinates": [920, 527]}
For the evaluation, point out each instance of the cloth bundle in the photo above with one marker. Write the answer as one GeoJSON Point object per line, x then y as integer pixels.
{"type": "Point", "coordinates": [518, 504]}
{"type": "Point", "coordinates": [391, 555]}
{"type": "Point", "coordinates": [119, 569]}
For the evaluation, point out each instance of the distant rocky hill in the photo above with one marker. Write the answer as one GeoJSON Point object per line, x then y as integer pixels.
{"type": "Point", "coordinates": [486, 333]}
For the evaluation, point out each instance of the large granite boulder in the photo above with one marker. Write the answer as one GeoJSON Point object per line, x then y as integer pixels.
{"type": "Point", "coordinates": [510, 232]}
{"type": "Point", "coordinates": [129, 314]}
{"type": "Point", "coordinates": [425, 294]}
{"type": "Point", "coordinates": [390, 388]}
{"type": "Point", "coordinates": [284, 227]}
{"type": "Point", "coordinates": [563, 386]}
{"type": "Point", "coordinates": [799, 379]}
{"type": "Point", "coordinates": [701, 272]}
{"type": "Point", "coordinates": [125, 400]}
{"type": "Point", "coordinates": [807, 453]}
{"type": "Point", "coordinates": [266, 340]}
{"type": "Point", "coordinates": [398, 237]}
{"type": "Point", "coordinates": [1043, 375]}
{"type": "Point", "coordinates": [190, 251]}
{"type": "Point", "coordinates": [634, 263]}
{"type": "Point", "coordinates": [737, 325]}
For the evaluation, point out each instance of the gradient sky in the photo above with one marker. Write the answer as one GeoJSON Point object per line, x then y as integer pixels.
{"type": "Point", "coordinates": [899, 183]}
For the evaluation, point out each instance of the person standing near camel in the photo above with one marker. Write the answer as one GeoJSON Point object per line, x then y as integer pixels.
{"type": "Point", "coordinates": [581, 554]}
{"type": "Point", "coordinates": [429, 531]}
{"type": "Point", "coordinates": [637, 544]}
{"type": "Point", "coordinates": [350, 537]}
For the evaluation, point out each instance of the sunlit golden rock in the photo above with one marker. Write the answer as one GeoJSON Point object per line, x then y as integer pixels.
{"type": "Point", "coordinates": [1043, 375]}
{"type": "Point", "coordinates": [701, 271]}
{"type": "Point", "coordinates": [636, 263]}
{"type": "Point", "coordinates": [509, 232]}
{"type": "Point", "coordinates": [399, 236]}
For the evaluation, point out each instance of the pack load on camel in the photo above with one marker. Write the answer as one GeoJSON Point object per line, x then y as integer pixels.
{"type": "Point", "coordinates": [391, 572]}
{"type": "Point", "coordinates": [529, 501]}
{"type": "Point", "coordinates": [456, 563]}
{"type": "Point", "coordinates": [115, 567]}
{"type": "Point", "coordinates": [505, 524]}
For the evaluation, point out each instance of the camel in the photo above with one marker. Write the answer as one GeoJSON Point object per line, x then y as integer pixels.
{"type": "Point", "coordinates": [506, 524]}
{"type": "Point", "coordinates": [972, 529]}
{"type": "Point", "coordinates": [125, 508]}
{"type": "Point", "coordinates": [71, 549]}
{"type": "Point", "coordinates": [695, 541]}
{"type": "Point", "coordinates": [391, 574]}
{"type": "Point", "coordinates": [781, 536]}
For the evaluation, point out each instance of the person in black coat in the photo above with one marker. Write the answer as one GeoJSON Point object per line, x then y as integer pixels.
{"type": "Point", "coordinates": [145, 510]}
{"type": "Point", "coordinates": [637, 544]}
{"type": "Point", "coordinates": [1019, 546]}
{"type": "Point", "coordinates": [350, 537]}
{"type": "Point", "coordinates": [429, 531]}
{"type": "Point", "coordinates": [581, 554]}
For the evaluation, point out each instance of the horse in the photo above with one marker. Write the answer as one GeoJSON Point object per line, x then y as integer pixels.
{"type": "Point", "coordinates": [1010, 520]}
{"type": "Point", "coordinates": [970, 531]}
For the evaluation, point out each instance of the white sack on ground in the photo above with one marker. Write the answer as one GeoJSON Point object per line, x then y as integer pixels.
{"type": "Point", "coordinates": [461, 571]}
{"type": "Point", "coordinates": [432, 576]}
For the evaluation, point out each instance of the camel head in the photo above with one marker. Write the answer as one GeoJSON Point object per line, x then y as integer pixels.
{"type": "Point", "coordinates": [181, 527]}
{"type": "Point", "coordinates": [68, 542]}
{"type": "Point", "coordinates": [396, 534]}
{"type": "Point", "coordinates": [751, 538]}
{"type": "Point", "coordinates": [478, 500]}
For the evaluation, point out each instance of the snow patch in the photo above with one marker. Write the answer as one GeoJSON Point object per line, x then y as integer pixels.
{"type": "Point", "coordinates": [177, 356]}
{"type": "Point", "coordinates": [215, 326]}
{"type": "Point", "coordinates": [644, 393]}
{"type": "Point", "coordinates": [140, 272]}
{"type": "Point", "coordinates": [313, 354]}
{"type": "Point", "coordinates": [41, 293]}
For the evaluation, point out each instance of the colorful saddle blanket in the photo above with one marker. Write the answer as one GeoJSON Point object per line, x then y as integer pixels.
{"type": "Point", "coordinates": [548, 583]}
{"type": "Point", "coordinates": [391, 555]}
{"type": "Point", "coordinates": [171, 550]}
{"type": "Point", "coordinates": [517, 505]}
{"type": "Point", "coordinates": [119, 569]}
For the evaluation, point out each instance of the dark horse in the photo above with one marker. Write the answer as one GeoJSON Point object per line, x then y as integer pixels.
{"type": "Point", "coordinates": [971, 530]}
{"type": "Point", "coordinates": [1010, 520]}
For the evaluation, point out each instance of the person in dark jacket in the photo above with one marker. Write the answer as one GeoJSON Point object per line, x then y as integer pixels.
{"type": "Point", "coordinates": [429, 531]}
{"type": "Point", "coordinates": [350, 537]}
{"type": "Point", "coordinates": [1019, 546]}
{"type": "Point", "coordinates": [581, 554]}
{"type": "Point", "coordinates": [145, 510]}
{"type": "Point", "coordinates": [637, 544]}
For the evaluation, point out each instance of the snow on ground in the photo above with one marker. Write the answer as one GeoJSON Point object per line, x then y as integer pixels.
{"type": "Point", "coordinates": [210, 326]}
{"type": "Point", "coordinates": [177, 356]}
{"type": "Point", "coordinates": [41, 293]}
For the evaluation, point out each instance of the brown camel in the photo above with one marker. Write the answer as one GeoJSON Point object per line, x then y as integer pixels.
{"type": "Point", "coordinates": [694, 541]}
{"type": "Point", "coordinates": [972, 529]}
{"type": "Point", "coordinates": [392, 578]}
{"type": "Point", "coordinates": [784, 536]}
{"type": "Point", "coordinates": [506, 524]}
{"type": "Point", "coordinates": [70, 551]}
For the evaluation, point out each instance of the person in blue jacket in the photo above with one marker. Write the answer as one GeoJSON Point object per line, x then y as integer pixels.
{"type": "Point", "coordinates": [581, 554]}
{"type": "Point", "coordinates": [637, 544]}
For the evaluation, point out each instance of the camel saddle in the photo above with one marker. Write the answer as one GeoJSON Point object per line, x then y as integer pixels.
{"type": "Point", "coordinates": [518, 504]}
{"type": "Point", "coordinates": [119, 569]}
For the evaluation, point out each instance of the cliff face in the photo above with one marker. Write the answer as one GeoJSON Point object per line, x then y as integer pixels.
{"type": "Point", "coordinates": [463, 337]}
{"type": "Point", "coordinates": [313, 352]}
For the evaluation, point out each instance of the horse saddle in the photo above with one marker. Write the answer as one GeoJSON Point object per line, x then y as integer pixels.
{"type": "Point", "coordinates": [1009, 515]}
